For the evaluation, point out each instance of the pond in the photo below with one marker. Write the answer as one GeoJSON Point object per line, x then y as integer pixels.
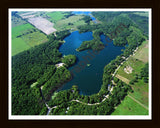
{"type": "Point", "coordinates": [88, 71]}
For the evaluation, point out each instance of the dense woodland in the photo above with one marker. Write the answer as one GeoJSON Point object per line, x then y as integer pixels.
{"type": "Point", "coordinates": [37, 66]}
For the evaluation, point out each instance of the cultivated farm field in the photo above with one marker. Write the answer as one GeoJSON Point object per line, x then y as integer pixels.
{"type": "Point", "coordinates": [25, 36]}
{"type": "Point", "coordinates": [42, 24]}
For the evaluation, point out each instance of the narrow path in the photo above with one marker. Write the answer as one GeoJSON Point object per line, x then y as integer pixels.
{"type": "Point", "coordinates": [123, 78]}
{"type": "Point", "coordinates": [89, 103]}
{"type": "Point", "coordinates": [78, 101]}
{"type": "Point", "coordinates": [138, 102]}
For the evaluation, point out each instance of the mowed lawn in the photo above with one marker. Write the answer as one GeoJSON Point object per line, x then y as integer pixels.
{"type": "Point", "coordinates": [129, 107]}
{"type": "Point", "coordinates": [27, 38]}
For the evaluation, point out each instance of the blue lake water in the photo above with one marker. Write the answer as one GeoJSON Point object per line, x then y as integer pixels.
{"type": "Point", "coordinates": [85, 13]}
{"type": "Point", "coordinates": [88, 78]}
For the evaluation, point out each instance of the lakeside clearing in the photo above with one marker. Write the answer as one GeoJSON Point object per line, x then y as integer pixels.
{"type": "Point", "coordinates": [135, 103]}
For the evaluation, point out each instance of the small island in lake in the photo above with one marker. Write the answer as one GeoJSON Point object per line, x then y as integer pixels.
{"type": "Point", "coordinates": [88, 65]}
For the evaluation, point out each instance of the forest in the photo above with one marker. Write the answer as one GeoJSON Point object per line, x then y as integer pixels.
{"type": "Point", "coordinates": [36, 65]}
{"type": "Point", "coordinates": [117, 28]}
{"type": "Point", "coordinates": [35, 77]}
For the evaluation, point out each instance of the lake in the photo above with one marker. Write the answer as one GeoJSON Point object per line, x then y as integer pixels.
{"type": "Point", "coordinates": [88, 71]}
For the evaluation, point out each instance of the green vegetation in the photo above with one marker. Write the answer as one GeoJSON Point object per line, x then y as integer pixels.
{"type": "Point", "coordinates": [66, 105]}
{"type": "Point", "coordinates": [35, 77]}
{"type": "Point", "coordinates": [135, 64]}
{"type": "Point", "coordinates": [55, 16]}
{"type": "Point", "coordinates": [71, 22]}
{"type": "Point", "coordinates": [120, 28]}
{"type": "Point", "coordinates": [140, 92]}
{"type": "Point", "coordinates": [36, 65]}
{"type": "Point", "coordinates": [18, 30]}
{"type": "Point", "coordinates": [94, 44]}
{"type": "Point", "coordinates": [60, 76]}
{"type": "Point", "coordinates": [142, 14]}
{"type": "Point", "coordinates": [138, 104]}
{"type": "Point", "coordinates": [16, 21]}
{"type": "Point", "coordinates": [87, 19]}
{"type": "Point", "coordinates": [143, 52]}
{"type": "Point", "coordinates": [18, 45]}
{"type": "Point", "coordinates": [25, 36]}
{"type": "Point", "coordinates": [129, 107]}
{"type": "Point", "coordinates": [141, 21]}
{"type": "Point", "coordinates": [69, 60]}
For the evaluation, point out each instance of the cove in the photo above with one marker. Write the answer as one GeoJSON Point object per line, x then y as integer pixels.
{"type": "Point", "coordinates": [89, 78]}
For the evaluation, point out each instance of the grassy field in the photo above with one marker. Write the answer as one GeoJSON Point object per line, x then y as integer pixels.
{"type": "Point", "coordinates": [35, 38]}
{"type": "Point", "coordinates": [55, 16]}
{"type": "Point", "coordinates": [73, 20]}
{"type": "Point", "coordinates": [16, 31]}
{"type": "Point", "coordinates": [130, 107]}
{"type": "Point", "coordinates": [142, 53]}
{"type": "Point", "coordinates": [140, 92]}
{"type": "Point", "coordinates": [135, 64]}
{"type": "Point", "coordinates": [18, 45]}
{"type": "Point", "coordinates": [28, 38]}
{"type": "Point", "coordinates": [142, 13]}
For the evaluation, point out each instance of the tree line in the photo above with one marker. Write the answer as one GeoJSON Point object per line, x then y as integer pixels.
{"type": "Point", "coordinates": [36, 65]}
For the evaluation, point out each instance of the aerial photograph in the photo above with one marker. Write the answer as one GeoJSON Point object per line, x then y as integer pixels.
{"type": "Point", "coordinates": [86, 62]}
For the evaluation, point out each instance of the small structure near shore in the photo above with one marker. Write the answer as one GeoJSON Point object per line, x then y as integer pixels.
{"type": "Point", "coordinates": [88, 65]}
{"type": "Point", "coordinates": [59, 65]}
{"type": "Point", "coordinates": [128, 69]}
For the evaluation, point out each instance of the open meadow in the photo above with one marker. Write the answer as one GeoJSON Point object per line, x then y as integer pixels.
{"type": "Point", "coordinates": [69, 23]}
{"type": "Point", "coordinates": [130, 107]}
{"type": "Point", "coordinates": [142, 53]}
{"type": "Point", "coordinates": [25, 36]}
{"type": "Point", "coordinates": [135, 103]}
{"type": "Point", "coordinates": [55, 16]}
